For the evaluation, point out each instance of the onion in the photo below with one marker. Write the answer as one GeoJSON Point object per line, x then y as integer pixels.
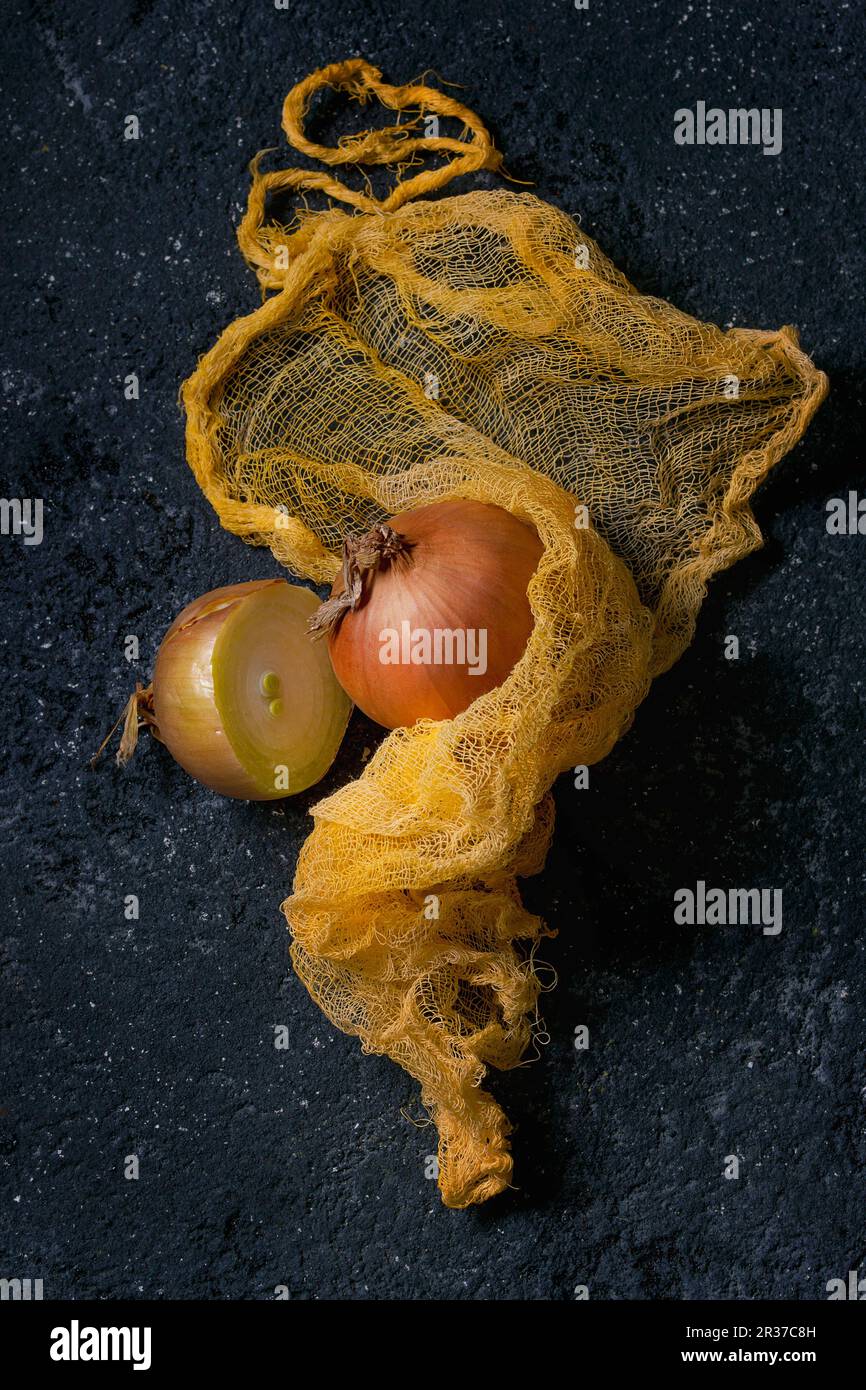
{"type": "Point", "coordinates": [431, 610]}
{"type": "Point", "coordinates": [239, 697]}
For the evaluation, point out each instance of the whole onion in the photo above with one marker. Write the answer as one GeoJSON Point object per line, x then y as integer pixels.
{"type": "Point", "coordinates": [431, 610]}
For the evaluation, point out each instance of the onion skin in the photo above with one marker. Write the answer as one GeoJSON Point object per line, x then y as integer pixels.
{"type": "Point", "coordinates": [209, 735]}
{"type": "Point", "coordinates": [218, 598]}
{"type": "Point", "coordinates": [465, 565]}
{"type": "Point", "coordinates": [186, 716]}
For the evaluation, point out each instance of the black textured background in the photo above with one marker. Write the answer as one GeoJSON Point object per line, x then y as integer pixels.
{"type": "Point", "coordinates": [155, 1037]}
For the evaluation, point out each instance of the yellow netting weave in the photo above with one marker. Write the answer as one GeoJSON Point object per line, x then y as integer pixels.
{"type": "Point", "coordinates": [480, 346]}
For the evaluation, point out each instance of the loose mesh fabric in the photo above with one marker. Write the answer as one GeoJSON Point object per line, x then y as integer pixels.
{"type": "Point", "coordinates": [479, 346]}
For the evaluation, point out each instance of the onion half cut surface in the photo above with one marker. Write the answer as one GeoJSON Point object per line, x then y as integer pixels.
{"type": "Point", "coordinates": [243, 700]}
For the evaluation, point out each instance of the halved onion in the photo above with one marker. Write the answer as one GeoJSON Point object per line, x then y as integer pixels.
{"type": "Point", "coordinates": [240, 697]}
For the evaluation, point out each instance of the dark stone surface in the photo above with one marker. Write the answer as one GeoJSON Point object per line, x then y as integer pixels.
{"type": "Point", "coordinates": [154, 1037]}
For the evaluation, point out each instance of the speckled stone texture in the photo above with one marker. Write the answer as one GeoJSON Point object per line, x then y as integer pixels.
{"type": "Point", "coordinates": [155, 1037]}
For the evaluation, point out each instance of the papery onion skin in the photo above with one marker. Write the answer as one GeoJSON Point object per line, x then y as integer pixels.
{"type": "Point", "coordinates": [215, 599]}
{"type": "Point", "coordinates": [199, 728]}
{"type": "Point", "coordinates": [467, 566]}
